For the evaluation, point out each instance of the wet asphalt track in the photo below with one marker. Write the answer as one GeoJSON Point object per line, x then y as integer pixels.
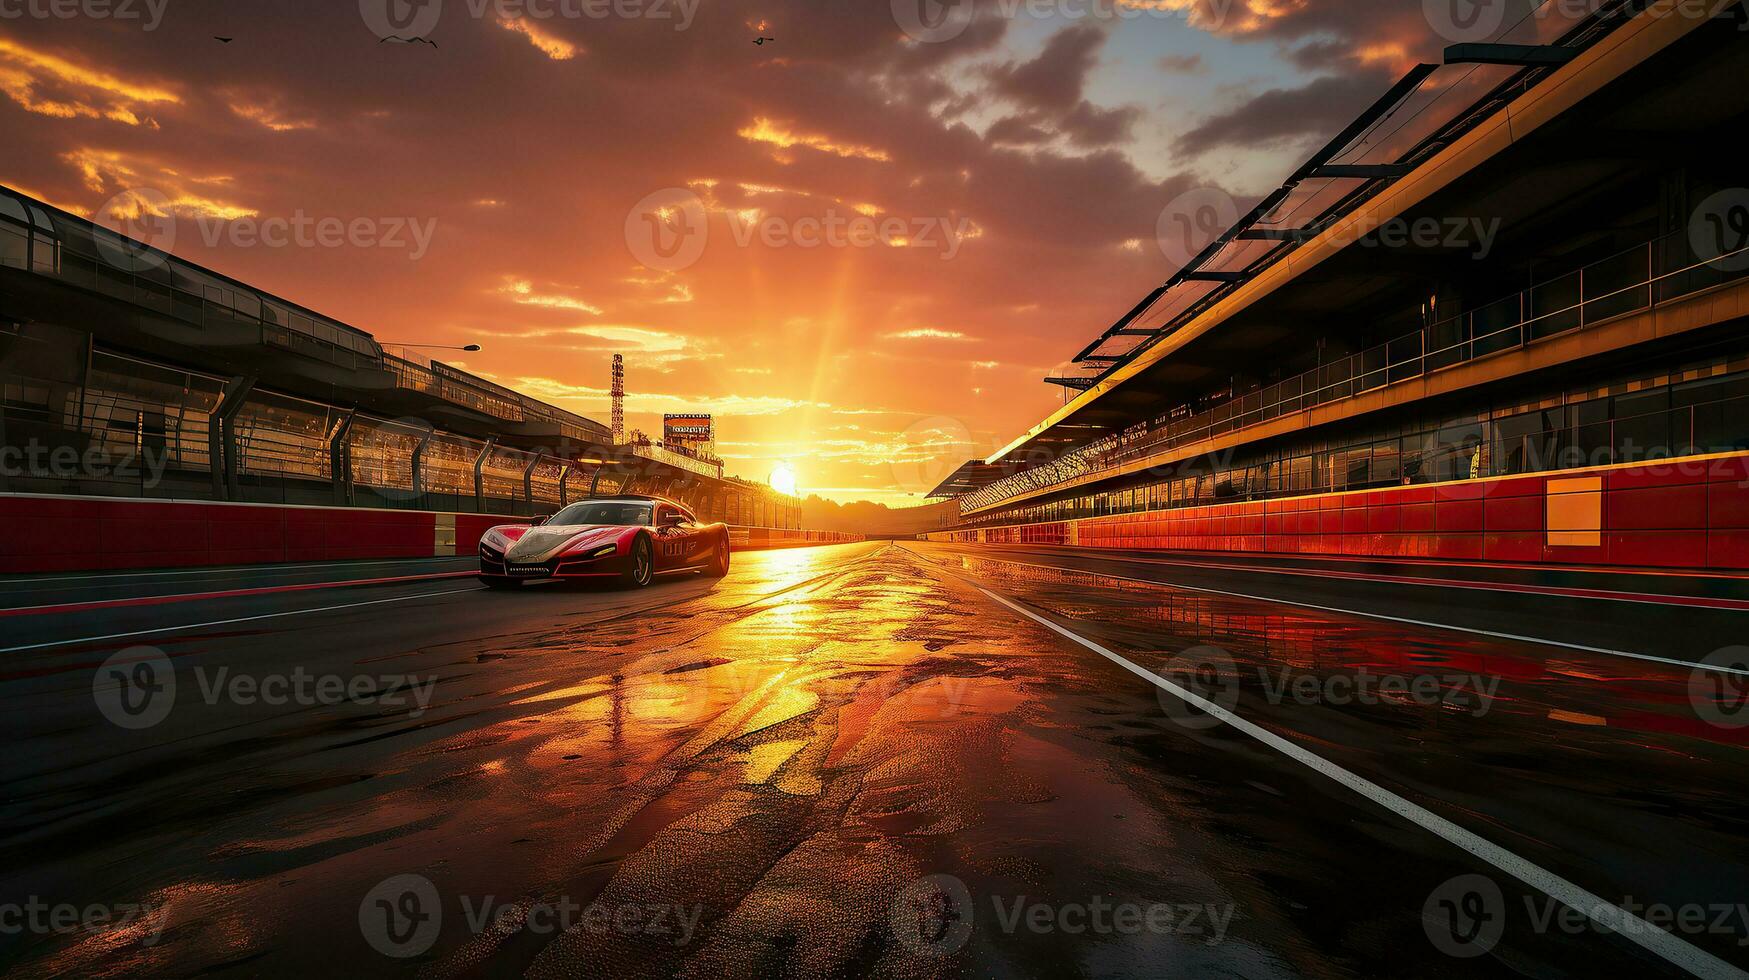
{"type": "Point", "coordinates": [857, 760]}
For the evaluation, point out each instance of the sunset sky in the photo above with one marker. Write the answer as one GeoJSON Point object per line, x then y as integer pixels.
{"type": "Point", "coordinates": [1027, 160]}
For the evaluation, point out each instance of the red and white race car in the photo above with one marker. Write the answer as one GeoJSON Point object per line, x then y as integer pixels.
{"type": "Point", "coordinates": [630, 537]}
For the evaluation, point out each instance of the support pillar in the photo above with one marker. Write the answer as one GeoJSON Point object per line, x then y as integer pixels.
{"type": "Point", "coordinates": [419, 466]}
{"type": "Point", "coordinates": [479, 477]}
{"type": "Point", "coordinates": [221, 437]}
{"type": "Point", "coordinates": [528, 483]}
{"type": "Point", "coordinates": [340, 459]}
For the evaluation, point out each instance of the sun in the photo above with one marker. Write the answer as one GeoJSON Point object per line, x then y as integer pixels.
{"type": "Point", "coordinates": [783, 479]}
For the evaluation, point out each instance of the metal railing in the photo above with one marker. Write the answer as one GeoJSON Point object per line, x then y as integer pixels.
{"type": "Point", "coordinates": [1672, 434]}
{"type": "Point", "coordinates": [135, 429]}
{"type": "Point", "coordinates": [1583, 298]}
{"type": "Point", "coordinates": [692, 464]}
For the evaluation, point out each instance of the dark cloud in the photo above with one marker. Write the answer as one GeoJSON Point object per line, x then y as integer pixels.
{"type": "Point", "coordinates": [1016, 130]}
{"type": "Point", "coordinates": [1320, 108]}
{"type": "Point", "coordinates": [1048, 91]}
{"type": "Point", "coordinates": [1183, 64]}
{"type": "Point", "coordinates": [1089, 125]}
{"type": "Point", "coordinates": [1056, 78]}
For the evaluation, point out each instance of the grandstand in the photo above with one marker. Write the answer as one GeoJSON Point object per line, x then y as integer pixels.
{"type": "Point", "coordinates": [126, 371]}
{"type": "Point", "coordinates": [1559, 374]}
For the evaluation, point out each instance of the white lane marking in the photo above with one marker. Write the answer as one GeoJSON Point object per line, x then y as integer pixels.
{"type": "Point", "coordinates": [228, 622]}
{"type": "Point", "coordinates": [1494, 634]}
{"type": "Point", "coordinates": [221, 570]}
{"type": "Point", "coordinates": [1612, 917]}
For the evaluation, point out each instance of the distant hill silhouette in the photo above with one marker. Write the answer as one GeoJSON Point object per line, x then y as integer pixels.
{"type": "Point", "coordinates": [863, 517]}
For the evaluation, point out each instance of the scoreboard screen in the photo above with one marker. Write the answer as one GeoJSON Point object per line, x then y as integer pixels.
{"type": "Point", "coordinates": [687, 429]}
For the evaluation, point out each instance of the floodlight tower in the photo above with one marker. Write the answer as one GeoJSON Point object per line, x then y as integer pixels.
{"type": "Point", "coordinates": [619, 399]}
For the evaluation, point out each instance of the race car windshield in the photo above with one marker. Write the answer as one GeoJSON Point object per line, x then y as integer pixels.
{"type": "Point", "coordinates": [603, 513]}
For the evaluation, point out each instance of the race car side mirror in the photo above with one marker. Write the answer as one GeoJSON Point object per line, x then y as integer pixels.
{"type": "Point", "coordinates": [673, 520]}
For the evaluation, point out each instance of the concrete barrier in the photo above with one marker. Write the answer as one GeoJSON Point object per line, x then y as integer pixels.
{"type": "Point", "coordinates": [42, 533]}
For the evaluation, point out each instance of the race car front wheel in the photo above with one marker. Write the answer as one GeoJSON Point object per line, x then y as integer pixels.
{"type": "Point", "coordinates": [641, 567]}
{"type": "Point", "coordinates": [719, 565]}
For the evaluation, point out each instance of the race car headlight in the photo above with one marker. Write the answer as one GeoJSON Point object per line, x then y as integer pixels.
{"type": "Point", "coordinates": [495, 543]}
{"type": "Point", "coordinates": [592, 552]}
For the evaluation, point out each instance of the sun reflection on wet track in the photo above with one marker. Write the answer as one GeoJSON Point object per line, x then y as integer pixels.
{"type": "Point", "coordinates": [789, 748]}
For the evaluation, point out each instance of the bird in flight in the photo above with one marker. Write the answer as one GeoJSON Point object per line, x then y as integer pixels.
{"type": "Point", "coordinates": [398, 39]}
{"type": "Point", "coordinates": [222, 40]}
{"type": "Point", "coordinates": [762, 40]}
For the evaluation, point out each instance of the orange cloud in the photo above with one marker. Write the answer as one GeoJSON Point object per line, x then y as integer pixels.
{"type": "Point", "coordinates": [555, 48]}
{"type": "Point", "coordinates": [270, 116]}
{"type": "Point", "coordinates": [162, 192]}
{"type": "Point", "coordinates": [49, 85]}
{"type": "Point", "coordinates": [522, 292]}
{"type": "Point", "coordinates": [764, 130]}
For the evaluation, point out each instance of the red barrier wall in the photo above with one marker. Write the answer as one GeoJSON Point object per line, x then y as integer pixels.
{"type": "Point", "coordinates": [66, 534]}
{"type": "Point", "coordinates": [1690, 513]}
